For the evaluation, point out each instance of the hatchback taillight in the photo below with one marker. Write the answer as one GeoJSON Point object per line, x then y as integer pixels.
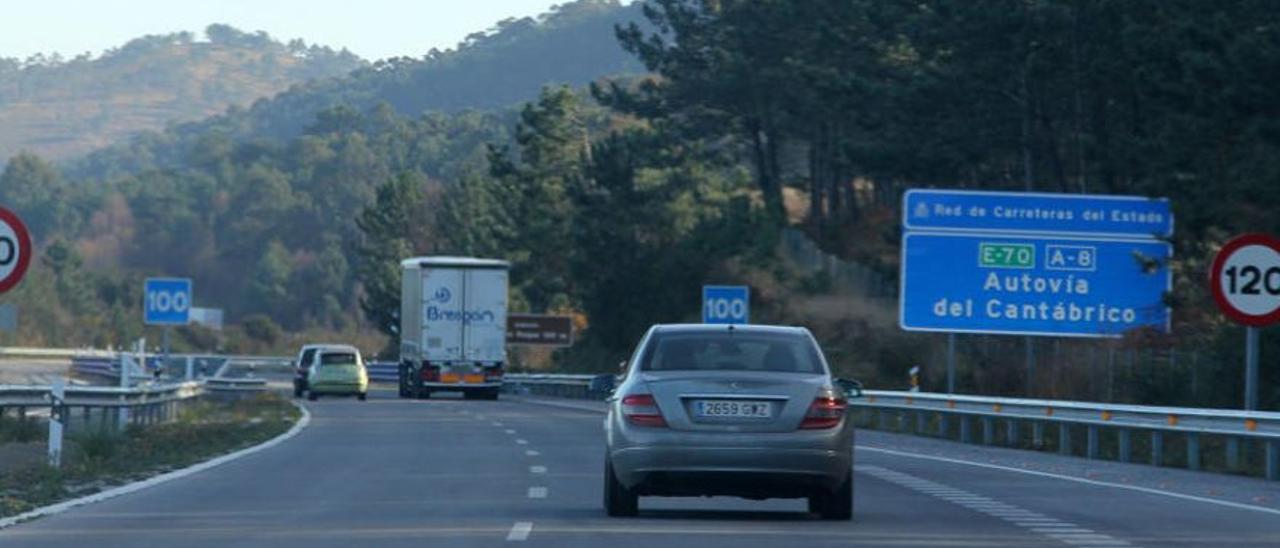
{"type": "Point", "coordinates": [642, 410]}
{"type": "Point", "coordinates": [825, 412]}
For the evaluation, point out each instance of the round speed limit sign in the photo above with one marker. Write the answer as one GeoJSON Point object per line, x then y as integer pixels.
{"type": "Point", "coordinates": [15, 250]}
{"type": "Point", "coordinates": [1245, 279]}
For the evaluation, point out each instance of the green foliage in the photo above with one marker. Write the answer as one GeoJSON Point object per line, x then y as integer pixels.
{"type": "Point", "coordinates": [393, 226]}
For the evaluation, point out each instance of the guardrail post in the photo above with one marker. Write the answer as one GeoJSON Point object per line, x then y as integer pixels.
{"type": "Point", "coordinates": [1011, 432]}
{"type": "Point", "coordinates": [988, 431]}
{"type": "Point", "coordinates": [1037, 434]}
{"type": "Point", "coordinates": [1064, 438]}
{"type": "Point", "coordinates": [942, 424]}
{"type": "Point", "coordinates": [965, 435]}
{"type": "Point", "coordinates": [1233, 453]}
{"type": "Point", "coordinates": [1091, 444]}
{"type": "Point", "coordinates": [1273, 460]}
{"type": "Point", "coordinates": [1193, 451]}
{"type": "Point", "coordinates": [1157, 448]}
{"type": "Point", "coordinates": [882, 418]}
{"type": "Point", "coordinates": [920, 422]}
{"type": "Point", "coordinates": [1125, 445]}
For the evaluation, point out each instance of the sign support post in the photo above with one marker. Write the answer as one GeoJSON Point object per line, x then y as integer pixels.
{"type": "Point", "coordinates": [951, 363]}
{"type": "Point", "coordinates": [1245, 281]}
{"type": "Point", "coordinates": [1031, 366]}
{"type": "Point", "coordinates": [1251, 368]}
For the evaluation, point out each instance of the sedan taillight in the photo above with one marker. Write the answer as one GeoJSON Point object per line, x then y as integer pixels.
{"type": "Point", "coordinates": [642, 410]}
{"type": "Point", "coordinates": [825, 412]}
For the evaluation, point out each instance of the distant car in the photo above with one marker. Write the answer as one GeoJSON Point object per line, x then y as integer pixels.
{"type": "Point", "coordinates": [338, 371]}
{"type": "Point", "coordinates": [302, 365]}
{"type": "Point", "coordinates": [746, 411]}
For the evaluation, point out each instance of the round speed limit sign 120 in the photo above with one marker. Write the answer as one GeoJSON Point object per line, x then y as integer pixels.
{"type": "Point", "coordinates": [15, 250]}
{"type": "Point", "coordinates": [1245, 279]}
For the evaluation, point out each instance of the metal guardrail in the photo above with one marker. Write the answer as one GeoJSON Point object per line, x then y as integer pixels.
{"type": "Point", "coordinates": [933, 413]}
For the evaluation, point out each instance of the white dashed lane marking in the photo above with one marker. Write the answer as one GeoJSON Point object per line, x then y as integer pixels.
{"type": "Point", "coordinates": [537, 469]}
{"type": "Point", "coordinates": [520, 531]}
{"type": "Point", "coordinates": [537, 492]}
{"type": "Point", "coordinates": [1061, 531]}
{"type": "Point", "coordinates": [522, 442]}
{"type": "Point", "coordinates": [532, 453]}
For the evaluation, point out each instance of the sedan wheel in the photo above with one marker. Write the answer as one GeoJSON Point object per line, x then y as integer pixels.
{"type": "Point", "coordinates": [312, 396]}
{"type": "Point", "coordinates": [837, 506]}
{"type": "Point", "coordinates": [618, 500]}
{"type": "Point", "coordinates": [363, 396]}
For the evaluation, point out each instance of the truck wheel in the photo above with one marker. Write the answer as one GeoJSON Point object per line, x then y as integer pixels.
{"type": "Point", "coordinates": [424, 394]}
{"type": "Point", "coordinates": [312, 396]}
{"type": "Point", "coordinates": [491, 394]}
{"type": "Point", "coordinates": [618, 500]}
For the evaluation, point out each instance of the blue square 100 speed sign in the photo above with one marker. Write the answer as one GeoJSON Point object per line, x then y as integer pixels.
{"type": "Point", "coordinates": [166, 301]}
{"type": "Point", "coordinates": [730, 304]}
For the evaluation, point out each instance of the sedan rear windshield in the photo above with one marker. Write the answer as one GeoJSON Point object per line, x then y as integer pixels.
{"type": "Point", "coordinates": [344, 358]}
{"type": "Point", "coordinates": [777, 352]}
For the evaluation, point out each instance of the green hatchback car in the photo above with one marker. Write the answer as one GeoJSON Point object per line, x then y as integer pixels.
{"type": "Point", "coordinates": [337, 371]}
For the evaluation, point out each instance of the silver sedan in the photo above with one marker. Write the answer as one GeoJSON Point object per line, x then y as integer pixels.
{"type": "Point", "coordinates": [746, 411]}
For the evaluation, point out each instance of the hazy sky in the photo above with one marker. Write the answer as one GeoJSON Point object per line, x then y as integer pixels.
{"type": "Point", "coordinates": [372, 29]}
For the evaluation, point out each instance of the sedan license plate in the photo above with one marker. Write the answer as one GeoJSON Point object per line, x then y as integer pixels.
{"type": "Point", "coordinates": [732, 409]}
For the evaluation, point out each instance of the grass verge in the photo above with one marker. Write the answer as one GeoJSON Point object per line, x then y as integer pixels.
{"type": "Point", "coordinates": [94, 460]}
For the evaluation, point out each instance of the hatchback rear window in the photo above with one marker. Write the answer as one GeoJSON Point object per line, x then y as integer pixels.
{"type": "Point", "coordinates": [731, 352]}
{"type": "Point", "coordinates": [338, 358]}
{"type": "Point", "coordinates": [307, 355]}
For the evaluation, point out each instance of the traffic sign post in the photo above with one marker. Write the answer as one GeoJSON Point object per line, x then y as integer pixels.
{"type": "Point", "coordinates": [166, 302]}
{"type": "Point", "coordinates": [1245, 282]}
{"type": "Point", "coordinates": [726, 304]}
{"type": "Point", "coordinates": [1033, 264]}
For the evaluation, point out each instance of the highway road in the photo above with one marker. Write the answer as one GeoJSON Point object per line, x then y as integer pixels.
{"type": "Point", "coordinates": [449, 472]}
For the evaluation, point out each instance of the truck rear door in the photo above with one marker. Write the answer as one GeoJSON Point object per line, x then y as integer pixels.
{"type": "Point", "coordinates": [484, 339]}
{"type": "Point", "coordinates": [442, 302]}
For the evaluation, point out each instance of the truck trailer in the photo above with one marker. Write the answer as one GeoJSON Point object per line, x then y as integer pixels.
{"type": "Point", "coordinates": [453, 326]}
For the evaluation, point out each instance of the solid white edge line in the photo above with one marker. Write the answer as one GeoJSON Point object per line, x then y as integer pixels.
{"type": "Point", "coordinates": [162, 478]}
{"type": "Point", "coordinates": [520, 531]}
{"type": "Point", "coordinates": [1147, 490]}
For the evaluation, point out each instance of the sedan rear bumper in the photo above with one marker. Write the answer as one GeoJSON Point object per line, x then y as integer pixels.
{"type": "Point", "coordinates": [338, 388]}
{"type": "Point", "coordinates": [740, 471]}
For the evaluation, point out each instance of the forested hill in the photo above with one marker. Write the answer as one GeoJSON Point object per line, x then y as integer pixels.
{"type": "Point", "coordinates": [501, 67]}
{"type": "Point", "coordinates": [59, 108]}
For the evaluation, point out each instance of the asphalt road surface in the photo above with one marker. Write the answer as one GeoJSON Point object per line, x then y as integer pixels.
{"type": "Point", "coordinates": [449, 472]}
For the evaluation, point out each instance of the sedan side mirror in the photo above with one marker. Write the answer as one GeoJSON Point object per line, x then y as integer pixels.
{"type": "Point", "coordinates": [851, 388]}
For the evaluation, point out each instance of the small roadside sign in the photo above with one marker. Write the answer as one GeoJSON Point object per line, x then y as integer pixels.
{"type": "Point", "coordinates": [726, 304]}
{"type": "Point", "coordinates": [539, 330]}
{"type": "Point", "coordinates": [15, 250]}
{"type": "Point", "coordinates": [1245, 280]}
{"type": "Point", "coordinates": [166, 301]}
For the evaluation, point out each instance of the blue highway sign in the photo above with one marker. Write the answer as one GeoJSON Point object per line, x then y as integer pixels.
{"type": "Point", "coordinates": [166, 301]}
{"type": "Point", "coordinates": [1033, 213]}
{"type": "Point", "coordinates": [1021, 285]}
{"type": "Point", "coordinates": [726, 304]}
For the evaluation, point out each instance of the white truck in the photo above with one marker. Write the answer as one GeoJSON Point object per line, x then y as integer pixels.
{"type": "Point", "coordinates": [453, 326]}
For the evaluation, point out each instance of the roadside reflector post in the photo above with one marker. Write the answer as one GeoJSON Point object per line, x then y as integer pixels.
{"type": "Point", "coordinates": [1273, 460]}
{"type": "Point", "coordinates": [1233, 453]}
{"type": "Point", "coordinates": [1064, 438]}
{"type": "Point", "coordinates": [57, 411]}
{"type": "Point", "coordinates": [1125, 445]}
{"type": "Point", "coordinates": [1157, 448]}
{"type": "Point", "coordinates": [1193, 451]}
{"type": "Point", "coordinates": [1091, 444]}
